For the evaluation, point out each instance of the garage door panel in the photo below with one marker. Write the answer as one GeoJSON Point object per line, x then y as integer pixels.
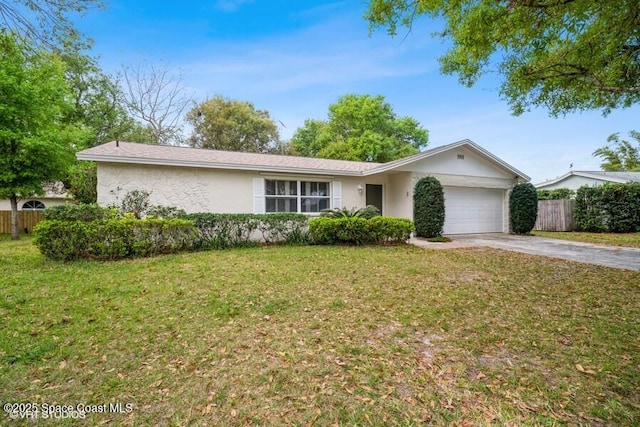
{"type": "Point", "coordinates": [473, 210]}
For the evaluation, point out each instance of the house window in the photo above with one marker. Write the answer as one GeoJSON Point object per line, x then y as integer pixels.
{"type": "Point", "coordinates": [296, 196]}
{"type": "Point", "coordinates": [314, 196]}
{"type": "Point", "coordinates": [33, 205]}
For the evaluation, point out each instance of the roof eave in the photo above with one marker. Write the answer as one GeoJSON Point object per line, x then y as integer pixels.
{"type": "Point", "coordinates": [208, 165]}
{"type": "Point", "coordinates": [435, 151]}
{"type": "Point", "coordinates": [582, 174]}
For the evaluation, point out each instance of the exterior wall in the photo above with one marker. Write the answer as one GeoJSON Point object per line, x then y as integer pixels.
{"type": "Point", "coordinates": [235, 191]}
{"type": "Point", "coordinates": [208, 190]}
{"type": "Point", "coordinates": [572, 182]}
{"type": "Point", "coordinates": [191, 189]}
{"type": "Point", "coordinates": [448, 163]}
{"type": "Point", "coordinates": [5, 204]}
{"type": "Point", "coordinates": [400, 196]}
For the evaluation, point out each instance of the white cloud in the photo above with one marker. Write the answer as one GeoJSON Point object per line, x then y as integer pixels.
{"type": "Point", "coordinates": [334, 53]}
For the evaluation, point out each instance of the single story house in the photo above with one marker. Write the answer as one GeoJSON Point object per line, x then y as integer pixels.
{"type": "Point", "coordinates": [54, 194]}
{"type": "Point", "coordinates": [476, 183]}
{"type": "Point", "coordinates": [576, 179]}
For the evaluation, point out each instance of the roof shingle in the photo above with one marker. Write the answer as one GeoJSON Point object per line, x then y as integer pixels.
{"type": "Point", "coordinates": [126, 152]}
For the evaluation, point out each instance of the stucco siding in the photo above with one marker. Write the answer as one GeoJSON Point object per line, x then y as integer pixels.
{"type": "Point", "coordinates": [352, 198]}
{"type": "Point", "coordinates": [461, 161]}
{"type": "Point", "coordinates": [191, 189]}
{"type": "Point", "coordinates": [466, 181]}
{"type": "Point", "coordinates": [207, 190]}
{"type": "Point", "coordinates": [400, 196]}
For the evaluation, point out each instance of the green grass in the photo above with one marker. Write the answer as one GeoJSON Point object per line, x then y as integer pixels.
{"type": "Point", "coordinates": [631, 240]}
{"type": "Point", "coordinates": [323, 335]}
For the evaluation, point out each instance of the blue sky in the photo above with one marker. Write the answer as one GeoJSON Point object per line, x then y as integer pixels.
{"type": "Point", "coordinates": [295, 58]}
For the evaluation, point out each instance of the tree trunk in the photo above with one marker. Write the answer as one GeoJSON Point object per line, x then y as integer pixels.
{"type": "Point", "coordinates": [15, 227]}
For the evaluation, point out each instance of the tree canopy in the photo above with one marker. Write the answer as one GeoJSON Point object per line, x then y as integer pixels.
{"type": "Point", "coordinates": [361, 128]}
{"type": "Point", "coordinates": [620, 154]}
{"type": "Point", "coordinates": [98, 102]}
{"type": "Point", "coordinates": [44, 22]}
{"type": "Point", "coordinates": [565, 55]}
{"type": "Point", "coordinates": [36, 146]}
{"type": "Point", "coordinates": [225, 124]}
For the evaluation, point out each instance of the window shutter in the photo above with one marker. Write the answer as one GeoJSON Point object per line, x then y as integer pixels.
{"type": "Point", "coordinates": [258, 195]}
{"type": "Point", "coordinates": [336, 195]}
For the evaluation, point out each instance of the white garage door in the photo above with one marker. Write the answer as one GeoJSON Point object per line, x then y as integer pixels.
{"type": "Point", "coordinates": [473, 210]}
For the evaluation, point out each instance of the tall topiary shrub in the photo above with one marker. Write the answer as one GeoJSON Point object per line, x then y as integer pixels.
{"type": "Point", "coordinates": [428, 207]}
{"type": "Point", "coordinates": [523, 208]}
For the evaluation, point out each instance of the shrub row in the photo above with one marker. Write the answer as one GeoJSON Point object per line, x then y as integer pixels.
{"type": "Point", "coordinates": [113, 238]}
{"type": "Point", "coordinates": [220, 231]}
{"type": "Point", "coordinates": [79, 212]}
{"type": "Point", "coordinates": [609, 207]}
{"type": "Point", "coordinates": [90, 231]}
{"type": "Point", "coordinates": [359, 231]}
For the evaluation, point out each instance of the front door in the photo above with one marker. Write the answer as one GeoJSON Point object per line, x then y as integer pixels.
{"type": "Point", "coordinates": [374, 195]}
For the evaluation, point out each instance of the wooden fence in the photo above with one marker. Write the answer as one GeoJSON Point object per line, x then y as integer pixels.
{"type": "Point", "coordinates": [26, 220]}
{"type": "Point", "coordinates": [555, 215]}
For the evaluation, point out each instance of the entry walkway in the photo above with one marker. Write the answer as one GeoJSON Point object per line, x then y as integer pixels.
{"type": "Point", "coordinates": [609, 256]}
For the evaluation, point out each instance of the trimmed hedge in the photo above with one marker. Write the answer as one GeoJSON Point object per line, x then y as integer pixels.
{"type": "Point", "coordinates": [428, 207]}
{"type": "Point", "coordinates": [220, 231]}
{"type": "Point", "coordinates": [609, 207]}
{"type": "Point", "coordinates": [523, 208]}
{"type": "Point", "coordinates": [79, 212]}
{"type": "Point", "coordinates": [386, 229]}
{"type": "Point", "coordinates": [113, 238]}
{"type": "Point", "coordinates": [359, 231]}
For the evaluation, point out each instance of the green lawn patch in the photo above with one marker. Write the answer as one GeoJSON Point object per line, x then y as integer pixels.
{"type": "Point", "coordinates": [319, 335]}
{"type": "Point", "coordinates": [631, 240]}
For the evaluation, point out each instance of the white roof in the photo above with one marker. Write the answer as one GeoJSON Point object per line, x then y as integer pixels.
{"type": "Point", "coordinates": [618, 177]}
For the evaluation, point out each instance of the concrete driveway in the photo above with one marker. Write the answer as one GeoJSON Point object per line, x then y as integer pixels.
{"type": "Point", "coordinates": [609, 256]}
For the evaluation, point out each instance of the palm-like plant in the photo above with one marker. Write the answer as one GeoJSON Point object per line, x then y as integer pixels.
{"type": "Point", "coordinates": [367, 212]}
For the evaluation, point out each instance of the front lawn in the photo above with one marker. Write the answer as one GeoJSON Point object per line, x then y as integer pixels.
{"type": "Point", "coordinates": [631, 240]}
{"type": "Point", "coordinates": [322, 335]}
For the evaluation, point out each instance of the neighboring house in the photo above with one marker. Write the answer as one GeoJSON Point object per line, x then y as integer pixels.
{"type": "Point", "coordinates": [54, 195]}
{"type": "Point", "coordinates": [576, 179]}
{"type": "Point", "coordinates": [476, 183]}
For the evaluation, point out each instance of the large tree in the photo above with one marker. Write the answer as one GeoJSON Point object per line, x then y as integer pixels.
{"type": "Point", "coordinates": [620, 154]}
{"type": "Point", "coordinates": [98, 101]}
{"type": "Point", "coordinates": [226, 124]}
{"type": "Point", "coordinates": [361, 128]}
{"type": "Point", "coordinates": [565, 55]}
{"type": "Point", "coordinates": [44, 22]}
{"type": "Point", "coordinates": [156, 95]}
{"type": "Point", "coordinates": [36, 145]}
{"type": "Point", "coordinates": [98, 107]}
